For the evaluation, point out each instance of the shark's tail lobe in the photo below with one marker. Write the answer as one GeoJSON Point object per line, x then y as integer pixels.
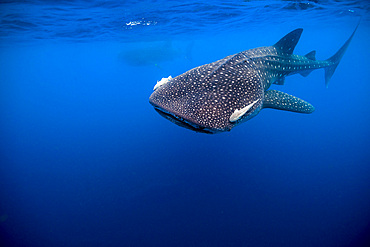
{"type": "Point", "coordinates": [335, 59]}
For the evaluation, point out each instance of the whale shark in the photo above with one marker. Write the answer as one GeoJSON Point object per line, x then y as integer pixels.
{"type": "Point", "coordinates": [218, 96]}
{"type": "Point", "coordinates": [154, 53]}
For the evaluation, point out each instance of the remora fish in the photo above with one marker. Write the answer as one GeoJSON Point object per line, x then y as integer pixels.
{"type": "Point", "coordinates": [218, 96]}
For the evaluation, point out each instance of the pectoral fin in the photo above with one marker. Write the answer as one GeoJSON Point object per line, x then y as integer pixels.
{"type": "Point", "coordinates": [283, 101]}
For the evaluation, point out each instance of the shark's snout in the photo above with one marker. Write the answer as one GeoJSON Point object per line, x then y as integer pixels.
{"type": "Point", "coordinates": [177, 117]}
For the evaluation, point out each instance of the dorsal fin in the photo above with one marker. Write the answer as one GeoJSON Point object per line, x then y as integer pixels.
{"type": "Point", "coordinates": [289, 41]}
{"type": "Point", "coordinates": [311, 55]}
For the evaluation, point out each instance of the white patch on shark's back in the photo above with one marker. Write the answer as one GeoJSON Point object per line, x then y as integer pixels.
{"type": "Point", "coordinates": [162, 82]}
{"type": "Point", "coordinates": [239, 113]}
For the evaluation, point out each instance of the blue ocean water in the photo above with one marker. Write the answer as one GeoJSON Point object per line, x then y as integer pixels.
{"type": "Point", "coordinates": [86, 161]}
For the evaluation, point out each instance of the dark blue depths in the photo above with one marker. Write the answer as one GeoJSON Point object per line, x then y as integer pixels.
{"type": "Point", "coordinates": [86, 161]}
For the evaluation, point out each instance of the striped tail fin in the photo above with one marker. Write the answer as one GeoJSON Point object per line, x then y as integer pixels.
{"type": "Point", "coordinates": [335, 59]}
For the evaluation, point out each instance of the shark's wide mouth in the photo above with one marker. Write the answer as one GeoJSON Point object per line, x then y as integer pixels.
{"type": "Point", "coordinates": [183, 122]}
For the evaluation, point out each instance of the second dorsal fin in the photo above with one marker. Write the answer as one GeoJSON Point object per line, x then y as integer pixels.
{"type": "Point", "coordinates": [289, 41]}
{"type": "Point", "coordinates": [311, 55]}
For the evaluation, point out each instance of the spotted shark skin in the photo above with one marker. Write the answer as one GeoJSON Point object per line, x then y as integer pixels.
{"type": "Point", "coordinates": [218, 96]}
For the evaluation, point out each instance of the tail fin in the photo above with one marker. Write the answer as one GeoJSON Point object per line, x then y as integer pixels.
{"type": "Point", "coordinates": [335, 59]}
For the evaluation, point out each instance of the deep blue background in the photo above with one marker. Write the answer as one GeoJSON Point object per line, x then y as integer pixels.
{"type": "Point", "coordinates": [86, 161]}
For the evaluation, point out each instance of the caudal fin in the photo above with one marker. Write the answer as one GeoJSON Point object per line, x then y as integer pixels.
{"type": "Point", "coordinates": [335, 59]}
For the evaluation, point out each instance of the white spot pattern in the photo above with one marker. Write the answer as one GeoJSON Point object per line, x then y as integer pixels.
{"type": "Point", "coordinates": [206, 96]}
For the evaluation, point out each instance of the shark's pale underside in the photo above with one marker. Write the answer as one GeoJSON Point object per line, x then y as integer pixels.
{"type": "Point", "coordinates": [218, 96]}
